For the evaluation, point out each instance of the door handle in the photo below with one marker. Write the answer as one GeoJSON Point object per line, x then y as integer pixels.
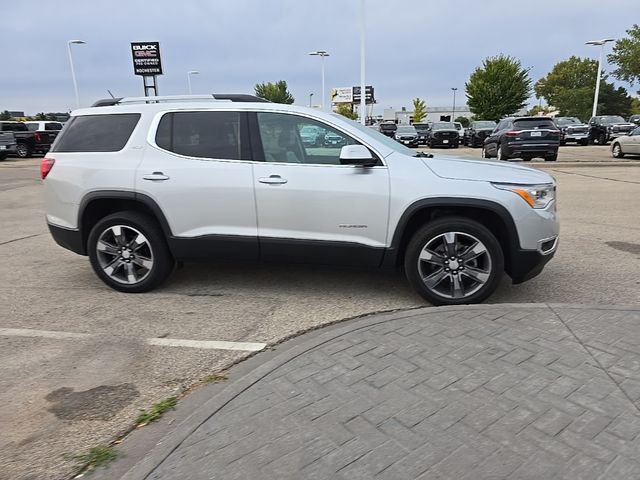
{"type": "Point", "coordinates": [273, 180]}
{"type": "Point", "coordinates": [155, 176]}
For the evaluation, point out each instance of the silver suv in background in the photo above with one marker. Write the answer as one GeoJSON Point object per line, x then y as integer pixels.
{"type": "Point", "coordinates": [137, 186]}
{"type": "Point", "coordinates": [573, 130]}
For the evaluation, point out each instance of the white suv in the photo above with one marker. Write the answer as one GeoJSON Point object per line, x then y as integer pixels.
{"type": "Point", "coordinates": [138, 184]}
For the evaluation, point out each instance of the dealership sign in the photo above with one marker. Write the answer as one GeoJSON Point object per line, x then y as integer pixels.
{"type": "Point", "coordinates": [342, 95]}
{"type": "Point", "coordinates": [368, 94]}
{"type": "Point", "coordinates": [146, 58]}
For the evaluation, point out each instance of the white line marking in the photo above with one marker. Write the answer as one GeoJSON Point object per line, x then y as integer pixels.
{"type": "Point", "coordinates": [160, 342]}
{"type": "Point", "coordinates": [214, 345]}
{"type": "Point", "coordinates": [24, 332]}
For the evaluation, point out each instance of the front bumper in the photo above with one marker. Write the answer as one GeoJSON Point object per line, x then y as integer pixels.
{"type": "Point", "coordinates": [10, 148]}
{"type": "Point", "coordinates": [68, 238]}
{"type": "Point", "coordinates": [575, 137]}
{"type": "Point", "coordinates": [530, 147]}
{"type": "Point", "coordinates": [526, 264]}
{"type": "Point", "coordinates": [443, 142]}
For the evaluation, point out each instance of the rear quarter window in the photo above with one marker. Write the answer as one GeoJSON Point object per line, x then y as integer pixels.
{"type": "Point", "coordinates": [32, 126]}
{"type": "Point", "coordinates": [53, 126]}
{"type": "Point", "coordinates": [97, 133]}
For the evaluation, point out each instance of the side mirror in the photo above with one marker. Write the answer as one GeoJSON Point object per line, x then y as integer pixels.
{"type": "Point", "coordinates": [356, 155]}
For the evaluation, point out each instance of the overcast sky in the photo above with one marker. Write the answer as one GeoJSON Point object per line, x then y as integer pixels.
{"type": "Point", "coordinates": [415, 48]}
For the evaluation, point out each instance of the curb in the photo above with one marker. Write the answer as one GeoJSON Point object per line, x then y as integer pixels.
{"type": "Point", "coordinates": [163, 449]}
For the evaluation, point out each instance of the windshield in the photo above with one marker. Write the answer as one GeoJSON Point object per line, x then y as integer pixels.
{"type": "Point", "coordinates": [567, 121]}
{"type": "Point", "coordinates": [388, 126]}
{"type": "Point", "coordinates": [484, 124]}
{"type": "Point", "coordinates": [444, 126]}
{"type": "Point", "coordinates": [612, 119]}
{"type": "Point", "coordinates": [379, 137]}
{"type": "Point", "coordinates": [421, 127]}
{"type": "Point", "coordinates": [406, 129]}
{"type": "Point", "coordinates": [308, 130]}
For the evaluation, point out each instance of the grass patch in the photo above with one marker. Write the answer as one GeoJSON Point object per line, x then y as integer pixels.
{"type": "Point", "coordinates": [214, 377]}
{"type": "Point", "coordinates": [156, 411]}
{"type": "Point", "coordinates": [96, 457]}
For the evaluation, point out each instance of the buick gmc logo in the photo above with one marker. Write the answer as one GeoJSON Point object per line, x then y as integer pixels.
{"type": "Point", "coordinates": [145, 47]}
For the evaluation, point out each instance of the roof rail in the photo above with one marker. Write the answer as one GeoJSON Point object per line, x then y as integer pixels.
{"type": "Point", "coordinates": [215, 97]}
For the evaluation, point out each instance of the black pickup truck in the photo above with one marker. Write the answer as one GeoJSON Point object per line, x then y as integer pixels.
{"type": "Point", "coordinates": [28, 141]}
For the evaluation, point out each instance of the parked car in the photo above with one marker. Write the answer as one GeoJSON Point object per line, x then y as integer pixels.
{"type": "Point", "coordinates": [407, 135]}
{"type": "Point", "coordinates": [477, 132]}
{"type": "Point", "coordinates": [333, 139]}
{"type": "Point", "coordinates": [605, 128]}
{"type": "Point", "coordinates": [7, 144]}
{"type": "Point", "coordinates": [635, 119]}
{"type": "Point", "coordinates": [573, 130]}
{"type": "Point", "coordinates": [388, 129]}
{"type": "Point", "coordinates": [25, 139]}
{"type": "Point", "coordinates": [312, 136]}
{"type": "Point", "coordinates": [523, 137]}
{"type": "Point", "coordinates": [443, 134]}
{"type": "Point", "coordinates": [45, 134]}
{"type": "Point", "coordinates": [422, 129]}
{"type": "Point", "coordinates": [461, 131]}
{"type": "Point", "coordinates": [211, 179]}
{"type": "Point", "coordinates": [627, 144]}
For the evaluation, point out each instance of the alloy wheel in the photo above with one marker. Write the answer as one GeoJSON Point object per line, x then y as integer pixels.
{"type": "Point", "coordinates": [454, 265]}
{"type": "Point", "coordinates": [124, 254]}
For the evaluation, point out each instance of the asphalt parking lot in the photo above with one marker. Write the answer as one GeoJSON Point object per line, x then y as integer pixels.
{"type": "Point", "coordinates": [76, 360]}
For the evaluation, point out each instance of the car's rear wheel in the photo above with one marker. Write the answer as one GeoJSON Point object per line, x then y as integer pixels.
{"type": "Point", "coordinates": [454, 261]}
{"type": "Point", "coordinates": [129, 253]}
{"type": "Point", "coordinates": [527, 159]}
{"type": "Point", "coordinates": [484, 153]}
{"type": "Point", "coordinates": [500, 153]}
{"type": "Point", "coordinates": [584, 142]}
{"type": "Point", "coordinates": [551, 158]}
{"type": "Point", "coordinates": [3, 156]}
{"type": "Point", "coordinates": [23, 150]}
{"type": "Point", "coordinates": [616, 151]}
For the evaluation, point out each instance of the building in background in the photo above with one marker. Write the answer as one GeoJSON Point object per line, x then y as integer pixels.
{"type": "Point", "coordinates": [434, 114]}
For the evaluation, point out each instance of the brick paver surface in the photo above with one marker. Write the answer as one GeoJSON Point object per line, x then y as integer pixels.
{"type": "Point", "coordinates": [503, 392]}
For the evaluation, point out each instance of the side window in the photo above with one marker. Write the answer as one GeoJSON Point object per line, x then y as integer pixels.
{"type": "Point", "coordinates": [293, 139]}
{"type": "Point", "coordinates": [636, 132]}
{"type": "Point", "coordinates": [53, 126]}
{"type": "Point", "coordinates": [201, 134]}
{"type": "Point", "coordinates": [32, 127]}
{"type": "Point", "coordinates": [97, 133]}
{"type": "Point", "coordinates": [501, 126]}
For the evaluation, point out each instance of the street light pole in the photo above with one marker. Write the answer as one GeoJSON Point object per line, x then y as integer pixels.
{"type": "Point", "coordinates": [601, 44]}
{"type": "Point", "coordinates": [453, 113]}
{"type": "Point", "coordinates": [363, 96]}
{"type": "Point", "coordinates": [321, 54]}
{"type": "Point", "coordinates": [189, 73]}
{"type": "Point", "coordinates": [73, 72]}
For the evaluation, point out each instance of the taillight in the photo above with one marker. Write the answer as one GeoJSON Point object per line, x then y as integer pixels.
{"type": "Point", "coordinates": [555, 133]}
{"type": "Point", "coordinates": [512, 134]}
{"type": "Point", "coordinates": [37, 137]}
{"type": "Point", "coordinates": [45, 167]}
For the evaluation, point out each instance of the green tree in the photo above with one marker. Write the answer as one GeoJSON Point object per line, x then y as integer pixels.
{"type": "Point", "coordinates": [463, 120]}
{"type": "Point", "coordinates": [274, 92]}
{"type": "Point", "coordinates": [499, 87]}
{"type": "Point", "coordinates": [5, 115]}
{"type": "Point", "coordinates": [419, 110]}
{"type": "Point", "coordinates": [346, 110]}
{"type": "Point", "coordinates": [41, 116]}
{"type": "Point", "coordinates": [570, 87]}
{"type": "Point", "coordinates": [635, 106]}
{"type": "Point", "coordinates": [544, 109]}
{"type": "Point", "coordinates": [626, 57]}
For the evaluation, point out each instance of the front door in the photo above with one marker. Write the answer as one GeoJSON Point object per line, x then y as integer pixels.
{"type": "Point", "coordinates": [310, 207]}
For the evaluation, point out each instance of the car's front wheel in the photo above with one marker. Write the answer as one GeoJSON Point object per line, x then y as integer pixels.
{"type": "Point", "coordinates": [129, 253]}
{"type": "Point", "coordinates": [23, 150]}
{"type": "Point", "coordinates": [616, 151]}
{"type": "Point", "coordinates": [454, 261]}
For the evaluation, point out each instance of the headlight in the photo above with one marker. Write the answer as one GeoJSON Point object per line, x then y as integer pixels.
{"type": "Point", "coordinates": [537, 196]}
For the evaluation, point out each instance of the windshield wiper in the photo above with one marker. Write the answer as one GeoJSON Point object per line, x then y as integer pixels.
{"type": "Point", "coordinates": [423, 155]}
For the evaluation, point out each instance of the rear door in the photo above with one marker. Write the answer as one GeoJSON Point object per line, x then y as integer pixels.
{"type": "Point", "coordinates": [197, 169]}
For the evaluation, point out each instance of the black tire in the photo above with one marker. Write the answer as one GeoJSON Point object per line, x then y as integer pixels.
{"type": "Point", "coordinates": [527, 159]}
{"type": "Point", "coordinates": [551, 158]}
{"type": "Point", "coordinates": [602, 139]}
{"type": "Point", "coordinates": [616, 150]}
{"type": "Point", "coordinates": [483, 153]}
{"type": "Point", "coordinates": [501, 153]}
{"type": "Point", "coordinates": [23, 150]}
{"type": "Point", "coordinates": [162, 261]}
{"type": "Point", "coordinates": [3, 156]}
{"type": "Point", "coordinates": [584, 142]}
{"type": "Point", "coordinates": [467, 227]}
